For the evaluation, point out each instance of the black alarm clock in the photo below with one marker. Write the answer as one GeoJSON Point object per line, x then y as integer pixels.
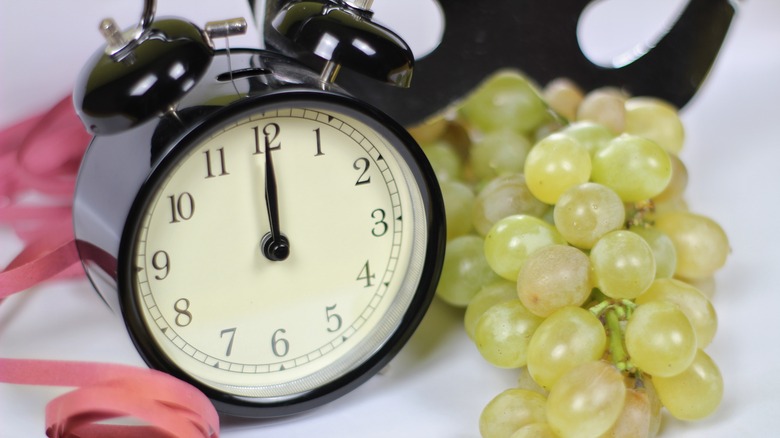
{"type": "Point", "coordinates": [265, 236]}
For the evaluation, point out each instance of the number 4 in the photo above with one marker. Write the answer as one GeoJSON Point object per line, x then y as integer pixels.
{"type": "Point", "coordinates": [366, 275]}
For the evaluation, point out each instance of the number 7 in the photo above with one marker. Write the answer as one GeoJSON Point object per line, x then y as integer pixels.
{"type": "Point", "coordinates": [232, 332]}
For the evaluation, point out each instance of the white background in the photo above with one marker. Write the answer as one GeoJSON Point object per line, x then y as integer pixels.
{"type": "Point", "coordinates": [438, 384]}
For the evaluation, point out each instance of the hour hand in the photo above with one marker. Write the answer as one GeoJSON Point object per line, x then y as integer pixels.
{"type": "Point", "coordinates": [274, 245]}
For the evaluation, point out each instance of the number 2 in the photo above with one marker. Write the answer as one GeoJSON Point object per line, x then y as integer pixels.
{"type": "Point", "coordinates": [363, 164]}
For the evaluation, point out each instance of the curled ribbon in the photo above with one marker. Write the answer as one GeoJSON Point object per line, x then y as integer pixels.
{"type": "Point", "coordinates": [39, 159]}
{"type": "Point", "coordinates": [170, 407]}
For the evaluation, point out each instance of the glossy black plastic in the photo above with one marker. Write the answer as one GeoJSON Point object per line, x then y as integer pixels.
{"type": "Point", "coordinates": [115, 95]}
{"type": "Point", "coordinates": [344, 35]}
{"type": "Point", "coordinates": [540, 39]}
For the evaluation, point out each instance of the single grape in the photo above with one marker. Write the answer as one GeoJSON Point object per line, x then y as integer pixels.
{"type": "Point", "coordinates": [446, 163]}
{"type": "Point", "coordinates": [535, 430]}
{"type": "Point", "coordinates": [504, 196]}
{"type": "Point", "coordinates": [459, 205]}
{"type": "Point", "coordinates": [660, 339]}
{"type": "Point", "coordinates": [605, 106]}
{"type": "Point", "coordinates": [566, 339]}
{"type": "Point", "coordinates": [525, 381]}
{"type": "Point", "coordinates": [552, 277]}
{"type": "Point", "coordinates": [701, 244]}
{"type": "Point", "coordinates": [694, 393]}
{"type": "Point", "coordinates": [465, 270]}
{"type": "Point", "coordinates": [507, 99]}
{"type": "Point", "coordinates": [509, 411]}
{"type": "Point", "coordinates": [623, 264]}
{"type": "Point", "coordinates": [590, 134]}
{"type": "Point", "coordinates": [499, 152]}
{"type": "Point", "coordinates": [694, 304]}
{"type": "Point", "coordinates": [512, 239]}
{"type": "Point", "coordinates": [655, 120]}
{"type": "Point", "coordinates": [430, 130]}
{"type": "Point", "coordinates": [706, 285]}
{"type": "Point", "coordinates": [677, 185]}
{"type": "Point", "coordinates": [663, 250]}
{"type": "Point", "coordinates": [635, 419]}
{"type": "Point", "coordinates": [563, 96]}
{"type": "Point", "coordinates": [655, 404]}
{"type": "Point", "coordinates": [635, 168]}
{"type": "Point", "coordinates": [555, 164]}
{"type": "Point", "coordinates": [677, 203]}
{"type": "Point", "coordinates": [503, 333]}
{"type": "Point", "coordinates": [493, 293]}
{"type": "Point", "coordinates": [585, 212]}
{"type": "Point", "coordinates": [586, 401]}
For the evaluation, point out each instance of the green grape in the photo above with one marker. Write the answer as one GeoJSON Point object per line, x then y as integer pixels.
{"type": "Point", "coordinates": [459, 205]}
{"type": "Point", "coordinates": [505, 100]}
{"type": "Point", "coordinates": [655, 120]}
{"type": "Point", "coordinates": [503, 333]}
{"type": "Point", "coordinates": [493, 293]}
{"type": "Point", "coordinates": [509, 411]}
{"type": "Point", "coordinates": [706, 285]}
{"type": "Point", "coordinates": [429, 130]}
{"type": "Point", "coordinates": [660, 339]}
{"type": "Point", "coordinates": [504, 196]}
{"type": "Point", "coordinates": [635, 168]}
{"type": "Point", "coordinates": [694, 393]}
{"type": "Point", "coordinates": [655, 404]}
{"type": "Point", "coordinates": [446, 163]}
{"type": "Point", "coordinates": [555, 164]}
{"type": "Point", "coordinates": [663, 250]}
{"type": "Point", "coordinates": [552, 277]}
{"type": "Point", "coordinates": [545, 131]}
{"type": "Point", "coordinates": [566, 339]}
{"type": "Point", "coordinates": [534, 430]}
{"type": "Point", "coordinates": [636, 418]}
{"type": "Point", "coordinates": [563, 96]}
{"type": "Point", "coordinates": [498, 153]}
{"type": "Point", "coordinates": [525, 381]}
{"type": "Point", "coordinates": [512, 239]}
{"type": "Point", "coordinates": [677, 185]}
{"type": "Point", "coordinates": [605, 106]}
{"type": "Point", "coordinates": [549, 216]}
{"type": "Point", "coordinates": [665, 206]}
{"type": "Point", "coordinates": [589, 134]}
{"type": "Point", "coordinates": [694, 304]}
{"type": "Point", "coordinates": [465, 270]}
{"type": "Point", "coordinates": [585, 212]}
{"type": "Point", "coordinates": [701, 244]}
{"type": "Point", "coordinates": [623, 264]}
{"type": "Point", "coordinates": [586, 401]}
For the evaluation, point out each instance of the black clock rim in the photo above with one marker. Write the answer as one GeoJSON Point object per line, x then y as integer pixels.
{"type": "Point", "coordinates": [436, 228]}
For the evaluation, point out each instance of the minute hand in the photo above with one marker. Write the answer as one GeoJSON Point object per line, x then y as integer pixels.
{"type": "Point", "coordinates": [275, 246]}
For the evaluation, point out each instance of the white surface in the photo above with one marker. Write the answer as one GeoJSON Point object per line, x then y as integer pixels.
{"type": "Point", "coordinates": [438, 384]}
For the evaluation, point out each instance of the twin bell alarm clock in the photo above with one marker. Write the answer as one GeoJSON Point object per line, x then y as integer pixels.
{"type": "Point", "coordinates": [265, 236]}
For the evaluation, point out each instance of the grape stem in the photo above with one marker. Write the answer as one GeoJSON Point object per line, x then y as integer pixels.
{"type": "Point", "coordinates": [617, 348]}
{"type": "Point", "coordinates": [613, 314]}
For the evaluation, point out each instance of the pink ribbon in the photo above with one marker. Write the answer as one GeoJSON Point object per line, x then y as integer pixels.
{"type": "Point", "coordinates": [39, 159]}
{"type": "Point", "coordinates": [170, 407]}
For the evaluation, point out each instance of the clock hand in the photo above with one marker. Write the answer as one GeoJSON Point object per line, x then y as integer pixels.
{"type": "Point", "coordinates": [275, 246]}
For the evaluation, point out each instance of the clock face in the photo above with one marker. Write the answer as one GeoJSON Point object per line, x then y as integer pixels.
{"type": "Point", "coordinates": [214, 308]}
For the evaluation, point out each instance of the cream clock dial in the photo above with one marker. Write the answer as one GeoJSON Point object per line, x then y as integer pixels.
{"type": "Point", "coordinates": [224, 309]}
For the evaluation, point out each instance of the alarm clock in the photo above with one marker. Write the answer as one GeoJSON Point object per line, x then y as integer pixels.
{"type": "Point", "coordinates": [265, 236]}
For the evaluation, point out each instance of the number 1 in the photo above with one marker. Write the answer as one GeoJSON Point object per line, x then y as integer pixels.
{"type": "Point", "coordinates": [319, 142]}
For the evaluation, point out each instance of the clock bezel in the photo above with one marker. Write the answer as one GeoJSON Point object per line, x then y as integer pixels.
{"type": "Point", "coordinates": [425, 178]}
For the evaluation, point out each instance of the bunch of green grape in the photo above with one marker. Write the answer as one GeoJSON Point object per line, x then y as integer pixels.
{"type": "Point", "coordinates": [576, 258]}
